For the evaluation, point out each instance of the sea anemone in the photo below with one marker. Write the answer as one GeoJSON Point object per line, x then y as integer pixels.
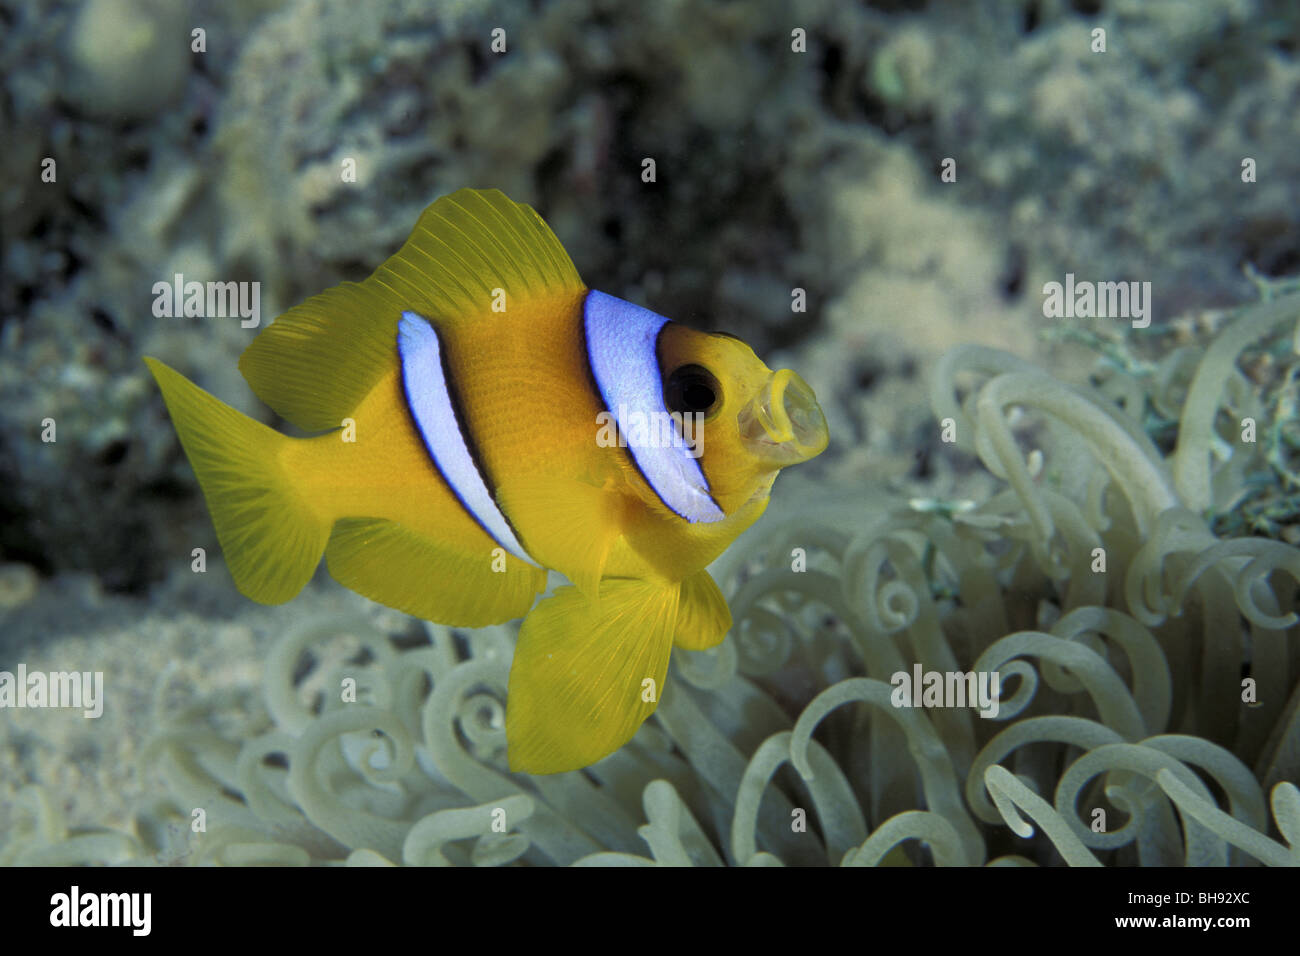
{"type": "Point", "coordinates": [1154, 687]}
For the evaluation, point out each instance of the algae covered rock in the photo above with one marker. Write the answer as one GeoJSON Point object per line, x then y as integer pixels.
{"type": "Point", "coordinates": [127, 59]}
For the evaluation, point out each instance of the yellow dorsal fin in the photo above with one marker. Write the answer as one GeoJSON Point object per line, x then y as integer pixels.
{"type": "Point", "coordinates": [317, 361]}
{"type": "Point", "coordinates": [470, 244]}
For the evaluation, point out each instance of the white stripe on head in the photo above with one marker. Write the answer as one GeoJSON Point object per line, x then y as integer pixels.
{"type": "Point", "coordinates": [621, 349]}
{"type": "Point", "coordinates": [424, 381]}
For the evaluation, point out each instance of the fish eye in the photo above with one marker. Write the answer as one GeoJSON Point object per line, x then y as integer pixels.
{"type": "Point", "coordinates": [692, 389]}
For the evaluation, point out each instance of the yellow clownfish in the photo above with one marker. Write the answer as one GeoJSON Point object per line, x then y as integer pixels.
{"type": "Point", "coordinates": [486, 417]}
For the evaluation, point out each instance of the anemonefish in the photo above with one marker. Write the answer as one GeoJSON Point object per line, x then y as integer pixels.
{"type": "Point", "coordinates": [485, 418]}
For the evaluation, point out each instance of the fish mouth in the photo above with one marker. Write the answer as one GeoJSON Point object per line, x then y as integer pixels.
{"type": "Point", "coordinates": [783, 424]}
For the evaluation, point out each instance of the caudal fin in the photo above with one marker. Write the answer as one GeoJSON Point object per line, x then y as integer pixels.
{"type": "Point", "coordinates": [271, 537]}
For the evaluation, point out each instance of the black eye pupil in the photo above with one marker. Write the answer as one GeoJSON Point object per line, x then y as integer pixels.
{"type": "Point", "coordinates": [697, 395]}
{"type": "Point", "coordinates": [691, 389]}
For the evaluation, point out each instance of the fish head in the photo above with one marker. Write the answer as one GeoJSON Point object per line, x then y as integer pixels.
{"type": "Point", "coordinates": [745, 421]}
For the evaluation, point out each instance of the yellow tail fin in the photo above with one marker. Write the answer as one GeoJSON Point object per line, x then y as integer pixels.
{"type": "Point", "coordinates": [271, 538]}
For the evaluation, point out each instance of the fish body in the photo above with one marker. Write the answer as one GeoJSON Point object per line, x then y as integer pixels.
{"type": "Point", "coordinates": [485, 417]}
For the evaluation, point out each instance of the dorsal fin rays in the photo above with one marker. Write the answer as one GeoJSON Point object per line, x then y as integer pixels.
{"type": "Point", "coordinates": [539, 251]}
{"type": "Point", "coordinates": [421, 288]}
{"type": "Point", "coordinates": [318, 360]}
{"type": "Point", "coordinates": [471, 243]}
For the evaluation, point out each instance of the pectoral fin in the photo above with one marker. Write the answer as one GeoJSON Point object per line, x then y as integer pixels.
{"type": "Point", "coordinates": [585, 676]}
{"type": "Point", "coordinates": [703, 617]}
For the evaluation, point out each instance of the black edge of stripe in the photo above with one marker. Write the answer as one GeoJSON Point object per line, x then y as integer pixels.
{"type": "Point", "coordinates": [467, 434]}
{"type": "Point", "coordinates": [659, 363]}
{"type": "Point", "coordinates": [626, 448]}
{"type": "Point", "coordinates": [620, 444]}
{"type": "Point", "coordinates": [415, 424]}
{"type": "Point", "coordinates": [428, 450]}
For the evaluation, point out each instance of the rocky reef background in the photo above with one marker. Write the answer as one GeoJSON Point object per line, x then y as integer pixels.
{"type": "Point", "coordinates": [775, 169]}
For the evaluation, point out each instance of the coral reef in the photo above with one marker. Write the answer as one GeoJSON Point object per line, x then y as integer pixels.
{"type": "Point", "coordinates": [812, 170]}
